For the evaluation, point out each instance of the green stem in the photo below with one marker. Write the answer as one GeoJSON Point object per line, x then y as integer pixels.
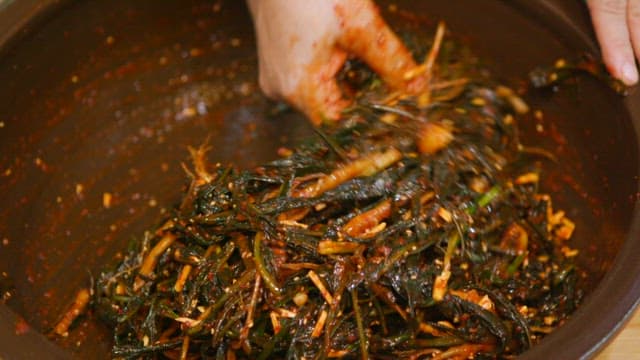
{"type": "Point", "coordinates": [269, 280]}
{"type": "Point", "coordinates": [232, 290]}
{"type": "Point", "coordinates": [513, 267]}
{"type": "Point", "coordinates": [364, 353]}
{"type": "Point", "coordinates": [488, 197]}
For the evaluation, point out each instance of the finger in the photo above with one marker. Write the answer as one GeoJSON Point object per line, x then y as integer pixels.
{"type": "Point", "coordinates": [367, 36]}
{"type": "Point", "coordinates": [610, 22]}
{"type": "Point", "coordinates": [318, 94]}
{"type": "Point", "coordinates": [633, 20]}
{"type": "Point", "coordinates": [290, 36]}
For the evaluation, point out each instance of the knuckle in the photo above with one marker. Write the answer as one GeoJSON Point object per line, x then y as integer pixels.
{"type": "Point", "coordinates": [609, 7]}
{"type": "Point", "coordinates": [620, 48]}
{"type": "Point", "coordinates": [634, 13]}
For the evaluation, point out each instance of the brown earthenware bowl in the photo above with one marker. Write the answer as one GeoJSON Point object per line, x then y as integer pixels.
{"type": "Point", "coordinates": [102, 97]}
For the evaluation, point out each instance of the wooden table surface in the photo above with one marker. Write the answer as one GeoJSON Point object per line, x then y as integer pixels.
{"type": "Point", "coordinates": [626, 345]}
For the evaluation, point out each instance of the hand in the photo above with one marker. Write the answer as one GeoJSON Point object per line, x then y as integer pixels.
{"type": "Point", "coordinates": [617, 26]}
{"type": "Point", "coordinates": [303, 44]}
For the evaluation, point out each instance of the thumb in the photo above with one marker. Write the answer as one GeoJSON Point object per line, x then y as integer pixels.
{"type": "Point", "coordinates": [318, 94]}
{"type": "Point", "coordinates": [612, 29]}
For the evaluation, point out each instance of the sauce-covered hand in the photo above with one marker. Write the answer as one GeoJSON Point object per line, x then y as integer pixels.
{"type": "Point", "coordinates": [617, 25]}
{"type": "Point", "coordinates": [303, 44]}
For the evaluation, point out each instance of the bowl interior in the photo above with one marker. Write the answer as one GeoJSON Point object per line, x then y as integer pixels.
{"type": "Point", "coordinates": [104, 97]}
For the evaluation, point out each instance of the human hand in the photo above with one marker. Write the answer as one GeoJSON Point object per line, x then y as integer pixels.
{"type": "Point", "coordinates": [303, 44]}
{"type": "Point", "coordinates": [617, 26]}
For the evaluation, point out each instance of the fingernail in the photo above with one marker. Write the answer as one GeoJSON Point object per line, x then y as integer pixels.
{"type": "Point", "coordinates": [629, 73]}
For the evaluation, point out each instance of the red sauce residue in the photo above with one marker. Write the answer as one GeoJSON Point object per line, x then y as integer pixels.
{"type": "Point", "coordinates": [21, 327]}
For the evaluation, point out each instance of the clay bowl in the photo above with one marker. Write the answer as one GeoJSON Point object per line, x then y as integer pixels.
{"type": "Point", "coordinates": [104, 97]}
